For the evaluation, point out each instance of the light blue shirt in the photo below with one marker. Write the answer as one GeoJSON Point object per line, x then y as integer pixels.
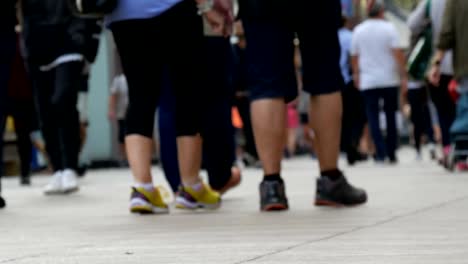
{"type": "Point", "coordinates": [345, 35]}
{"type": "Point", "coordinates": [139, 9]}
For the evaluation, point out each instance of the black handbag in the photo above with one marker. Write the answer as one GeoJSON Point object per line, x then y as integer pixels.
{"type": "Point", "coordinates": [92, 8]}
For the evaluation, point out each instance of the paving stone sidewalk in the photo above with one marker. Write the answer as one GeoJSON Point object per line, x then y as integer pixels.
{"type": "Point", "coordinates": [417, 213]}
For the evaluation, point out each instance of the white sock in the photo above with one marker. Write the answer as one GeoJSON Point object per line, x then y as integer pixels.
{"type": "Point", "coordinates": [147, 186]}
{"type": "Point", "coordinates": [196, 187]}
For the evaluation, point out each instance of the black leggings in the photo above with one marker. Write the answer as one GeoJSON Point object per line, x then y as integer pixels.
{"type": "Point", "coordinates": [173, 40]}
{"type": "Point", "coordinates": [446, 108]}
{"type": "Point", "coordinates": [217, 129]}
{"type": "Point", "coordinates": [420, 116]}
{"type": "Point", "coordinates": [56, 95]}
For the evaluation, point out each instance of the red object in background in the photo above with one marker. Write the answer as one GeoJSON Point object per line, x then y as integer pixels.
{"type": "Point", "coordinates": [453, 86]}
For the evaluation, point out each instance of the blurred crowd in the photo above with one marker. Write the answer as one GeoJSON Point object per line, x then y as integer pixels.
{"type": "Point", "coordinates": [233, 84]}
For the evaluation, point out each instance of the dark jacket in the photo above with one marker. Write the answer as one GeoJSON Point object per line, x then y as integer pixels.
{"type": "Point", "coordinates": [50, 30]}
{"type": "Point", "coordinates": [7, 17]}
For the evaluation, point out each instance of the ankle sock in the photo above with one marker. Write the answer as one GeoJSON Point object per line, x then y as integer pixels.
{"type": "Point", "coordinates": [147, 186]}
{"type": "Point", "coordinates": [332, 174]}
{"type": "Point", "coordinates": [196, 187]}
{"type": "Point", "coordinates": [273, 177]}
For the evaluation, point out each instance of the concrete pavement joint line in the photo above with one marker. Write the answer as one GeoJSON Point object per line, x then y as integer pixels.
{"type": "Point", "coordinates": [357, 229]}
{"type": "Point", "coordinates": [21, 258]}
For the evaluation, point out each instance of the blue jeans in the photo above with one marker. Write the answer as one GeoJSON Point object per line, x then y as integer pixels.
{"type": "Point", "coordinates": [389, 97]}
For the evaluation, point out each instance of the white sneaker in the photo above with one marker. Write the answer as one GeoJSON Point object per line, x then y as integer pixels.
{"type": "Point", "coordinates": [69, 181]}
{"type": "Point", "coordinates": [55, 185]}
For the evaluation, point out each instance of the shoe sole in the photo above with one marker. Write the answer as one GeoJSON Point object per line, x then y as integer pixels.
{"type": "Point", "coordinates": [71, 190]}
{"type": "Point", "coordinates": [140, 206]}
{"type": "Point", "coordinates": [62, 192]}
{"type": "Point", "coordinates": [144, 210]}
{"type": "Point", "coordinates": [323, 203]}
{"type": "Point", "coordinates": [182, 203]}
{"type": "Point", "coordinates": [275, 207]}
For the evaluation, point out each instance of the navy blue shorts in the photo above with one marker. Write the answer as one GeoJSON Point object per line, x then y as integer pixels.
{"type": "Point", "coordinates": [270, 50]}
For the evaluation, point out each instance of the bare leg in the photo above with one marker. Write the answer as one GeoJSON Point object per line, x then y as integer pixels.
{"type": "Point", "coordinates": [190, 155]}
{"type": "Point", "coordinates": [292, 141]}
{"type": "Point", "coordinates": [139, 152]}
{"type": "Point", "coordinates": [269, 125]}
{"type": "Point", "coordinates": [326, 114]}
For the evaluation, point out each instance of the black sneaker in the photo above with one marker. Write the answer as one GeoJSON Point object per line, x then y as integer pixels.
{"type": "Point", "coordinates": [2, 202]}
{"type": "Point", "coordinates": [338, 193]}
{"type": "Point", "coordinates": [393, 160]}
{"type": "Point", "coordinates": [273, 196]}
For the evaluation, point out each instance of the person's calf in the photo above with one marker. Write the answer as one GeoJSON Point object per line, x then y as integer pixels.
{"type": "Point", "coordinates": [326, 113]}
{"type": "Point", "coordinates": [269, 124]}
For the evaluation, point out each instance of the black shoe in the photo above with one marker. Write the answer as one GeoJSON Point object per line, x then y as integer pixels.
{"type": "Point", "coordinates": [338, 193]}
{"type": "Point", "coordinates": [2, 202]}
{"type": "Point", "coordinates": [355, 157]}
{"type": "Point", "coordinates": [25, 181]}
{"type": "Point", "coordinates": [362, 157]}
{"type": "Point", "coordinates": [81, 170]}
{"type": "Point", "coordinates": [393, 161]}
{"type": "Point", "coordinates": [273, 196]}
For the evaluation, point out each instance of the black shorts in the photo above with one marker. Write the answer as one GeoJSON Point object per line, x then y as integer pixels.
{"type": "Point", "coordinates": [121, 130]}
{"type": "Point", "coordinates": [270, 50]}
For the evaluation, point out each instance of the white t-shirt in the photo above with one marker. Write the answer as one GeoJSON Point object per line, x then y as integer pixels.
{"type": "Point", "coordinates": [374, 42]}
{"type": "Point", "coordinates": [120, 88]}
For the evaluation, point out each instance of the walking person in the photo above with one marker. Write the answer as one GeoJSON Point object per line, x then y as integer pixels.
{"type": "Point", "coordinates": [151, 36]}
{"type": "Point", "coordinates": [54, 44]}
{"type": "Point", "coordinates": [217, 130]}
{"type": "Point", "coordinates": [118, 104]}
{"type": "Point", "coordinates": [7, 52]}
{"type": "Point", "coordinates": [439, 92]}
{"type": "Point", "coordinates": [21, 108]}
{"type": "Point", "coordinates": [379, 67]}
{"type": "Point", "coordinates": [421, 117]}
{"type": "Point", "coordinates": [354, 116]}
{"type": "Point", "coordinates": [453, 37]}
{"type": "Point", "coordinates": [270, 28]}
